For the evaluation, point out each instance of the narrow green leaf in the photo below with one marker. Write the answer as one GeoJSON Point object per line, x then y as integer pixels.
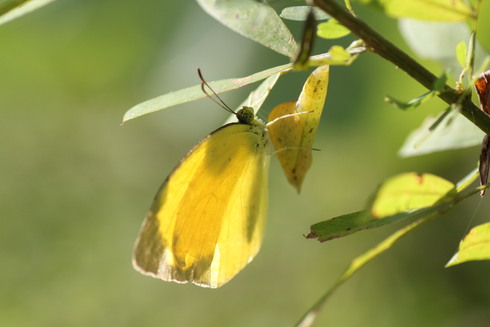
{"type": "Point", "coordinates": [418, 101]}
{"type": "Point", "coordinates": [348, 224]}
{"type": "Point", "coordinates": [453, 132]}
{"type": "Point", "coordinates": [474, 246]}
{"type": "Point", "coordinates": [194, 92]}
{"type": "Point", "coordinates": [255, 20]}
{"type": "Point", "coordinates": [336, 56]}
{"type": "Point", "coordinates": [409, 191]}
{"type": "Point", "coordinates": [332, 30]}
{"type": "Point", "coordinates": [412, 104]}
{"type": "Point", "coordinates": [461, 53]}
{"type": "Point", "coordinates": [406, 196]}
{"type": "Point", "coordinates": [430, 10]}
{"type": "Point", "coordinates": [11, 10]}
{"type": "Point", "coordinates": [299, 13]}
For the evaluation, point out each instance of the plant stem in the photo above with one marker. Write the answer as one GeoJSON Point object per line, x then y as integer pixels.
{"type": "Point", "coordinates": [381, 46]}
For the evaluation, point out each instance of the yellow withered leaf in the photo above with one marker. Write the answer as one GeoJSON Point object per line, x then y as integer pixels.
{"type": "Point", "coordinates": [293, 135]}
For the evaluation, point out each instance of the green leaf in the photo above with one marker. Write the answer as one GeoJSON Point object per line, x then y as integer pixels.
{"type": "Point", "coordinates": [299, 13]}
{"type": "Point", "coordinates": [474, 246]}
{"type": "Point", "coordinates": [430, 10]}
{"type": "Point", "coordinates": [437, 41]}
{"type": "Point", "coordinates": [348, 224]}
{"type": "Point", "coordinates": [195, 92]}
{"type": "Point", "coordinates": [255, 20]}
{"type": "Point", "coordinates": [461, 53]}
{"type": "Point", "coordinates": [453, 132]}
{"type": "Point", "coordinates": [336, 56]}
{"type": "Point", "coordinates": [406, 196]}
{"type": "Point", "coordinates": [412, 104]}
{"type": "Point", "coordinates": [410, 191]}
{"type": "Point", "coordinates": [10, 10]}
{"type": "Point", "coordinates": [332, 30]}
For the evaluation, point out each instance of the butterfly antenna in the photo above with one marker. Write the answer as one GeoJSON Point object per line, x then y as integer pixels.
{"type": "Point", "coordinates": [219, 101]}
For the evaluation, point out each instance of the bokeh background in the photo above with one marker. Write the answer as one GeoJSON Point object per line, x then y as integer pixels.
{"type": "Point", "coordinates": [76, 184]}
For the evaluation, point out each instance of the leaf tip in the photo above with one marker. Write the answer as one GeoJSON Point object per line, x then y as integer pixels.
{"type": "Point", "coordinates": [453, 261]}
{"type": "Point", "coordinates": [128, 116]}
{"type": "Point", "coordinates": [311, 235]}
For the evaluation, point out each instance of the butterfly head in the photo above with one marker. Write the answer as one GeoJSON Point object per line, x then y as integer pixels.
{"type": "Point", "coordinates": [245, 115]}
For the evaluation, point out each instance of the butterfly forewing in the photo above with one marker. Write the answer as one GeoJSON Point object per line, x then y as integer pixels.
{"type": "Point", "coordinates": [206, 221]}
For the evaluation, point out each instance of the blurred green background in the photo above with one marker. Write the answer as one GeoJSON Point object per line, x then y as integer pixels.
{"type": "Point", "coordinates": [76, 184]}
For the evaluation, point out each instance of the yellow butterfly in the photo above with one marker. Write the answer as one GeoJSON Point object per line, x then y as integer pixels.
{"type": "Point", "coordinates": [207, 220]}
